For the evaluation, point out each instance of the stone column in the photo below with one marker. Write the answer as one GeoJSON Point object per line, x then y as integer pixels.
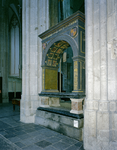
{"type": "Point", "coordinates": [100, 117]}
{"type": "Point", "coordinates": [4, 52]}
{"type": "Point", "coordinates": [35, 20]}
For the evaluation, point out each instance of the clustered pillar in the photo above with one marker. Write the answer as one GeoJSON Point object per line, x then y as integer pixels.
{"type": "Point", "coordinates": [4, 52]}
{"type": "Point", "coordinates": [34, 21]}
{"type": "Point", "coordinates": [100, 117]}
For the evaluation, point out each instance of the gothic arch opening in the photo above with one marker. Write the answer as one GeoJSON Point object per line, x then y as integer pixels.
{"type": "Point", "coordinates": [59, 67]}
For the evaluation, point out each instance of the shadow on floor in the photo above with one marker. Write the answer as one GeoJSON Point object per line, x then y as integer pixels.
{"type": "Point", "coordinates": [15, 135]}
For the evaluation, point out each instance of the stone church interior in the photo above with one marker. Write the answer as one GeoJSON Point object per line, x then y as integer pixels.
{"type": "Point", "coordinates": [58, 65]}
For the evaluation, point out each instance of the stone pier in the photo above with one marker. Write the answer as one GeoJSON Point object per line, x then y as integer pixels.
{"type": "Point", "coordinates": [100, 114]}
{"type": "Point", "coordinates": [35, 20]}
{"type": "Point", "coordinates": [4, 52]}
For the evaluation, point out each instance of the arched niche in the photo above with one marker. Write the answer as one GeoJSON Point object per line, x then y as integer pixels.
{"type": "Point", "coordinates": [66, 40]}
{"type": "Point", "coordinates": [51, 63]}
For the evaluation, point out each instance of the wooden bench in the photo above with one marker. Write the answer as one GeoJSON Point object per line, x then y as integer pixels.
{"type": "Point", "coordinates": [15, 101]}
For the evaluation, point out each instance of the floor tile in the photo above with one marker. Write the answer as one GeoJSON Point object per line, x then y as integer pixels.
{"type": "Point", "coordinates": [29, 130]}
{"type": "Point", "coordinates": [61, 145]}
{"type": "Point", "coordinates": [24, 136]}
{"type": "Point", "coordinates": [4, 125]}
{"type": "Point", "coordinates": [53, 139]}
{"type": "Point", "coordinates": [20, 132]}
{"type": "Point", "coordinates": [39, 137]}
{"type": "Point", "coordinates": [69, 140]}
{"type": "Point", "coordinates": [72, 148]}
{"type": "Point", "coordinates": [6, 144]}
{"type": "Point", "coordinates": [79, 144]}
{"type": "Point", "coordinates": [31, 136]}
{"type": "Point", "coordinates": [3, 133]}
{"type": "Point", "coordinates": [19, 144]}
{"type": "Point", "coordinates": [50, 148]}
{"type": "Point", "coordinates": [10, 135]}
{"type": "Point", "coordinates": [10, 129]}
{"type": "Point", "coordinates": [43, 144]}
{"type": "Point", "coordinates": [81, 148]}
{"type": "Point", "coordinates": [14, 139]}
{"type": "Point", "coordinates": [35, 133]}
{"type": "Point", "coordinates": [32, 147]}
{"type": "Point", "coordinates": [28, 141]}
{"type": "Point", "coordinates": [61, 136]}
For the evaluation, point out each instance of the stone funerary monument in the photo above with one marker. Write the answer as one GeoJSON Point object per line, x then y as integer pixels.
{"type": "Point", "coordinates": [53, 53]}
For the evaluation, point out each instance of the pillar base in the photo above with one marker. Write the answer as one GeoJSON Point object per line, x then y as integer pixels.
{"type": "Point", "coordinates": [54, 101]}
{"type": "Point", "coordinates": [44, 101]}
{"type": "Point", "coordinates": [76, 112]}
{"type": "Point", "coordinates": [50, 101]}
{"type": "Point", "coordinates": [76, 105]}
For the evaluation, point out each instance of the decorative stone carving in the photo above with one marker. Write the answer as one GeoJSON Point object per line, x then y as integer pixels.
{"type": "Point", "coordinates": [54, 101]}
{"type": "Point", "coordinates": [44, 45]}
{"type": "Point", "coordinates": [44, 102]}
{"type": "Point", "coordinates": [76, 105]}
{"type": "Point", "coordinates": [114, 49]}
{"type": "Point", "coordinates": [73, 32]}
{"type": "Point", "coordinates": [49, 101]}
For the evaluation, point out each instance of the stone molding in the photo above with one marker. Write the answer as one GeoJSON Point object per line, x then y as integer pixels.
{"type": "Point", "coordinates": [101, 105]}
{"type": "Point", "coordinates": [49, 101]}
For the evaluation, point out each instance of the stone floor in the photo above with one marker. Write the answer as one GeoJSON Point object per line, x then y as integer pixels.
{"type": "Point", "coordinates": [15, 135]}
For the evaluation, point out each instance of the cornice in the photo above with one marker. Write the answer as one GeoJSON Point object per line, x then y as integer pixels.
{"type": "Point", "coordinates": [78, 15]}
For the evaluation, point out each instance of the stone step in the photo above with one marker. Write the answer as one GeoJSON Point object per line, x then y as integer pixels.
{"type": "Point", "coordinates": [70, 126]}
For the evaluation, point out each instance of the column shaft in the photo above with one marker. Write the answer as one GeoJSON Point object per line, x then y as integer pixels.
{"type": "Point", "coordinates": [35, 20]}
{"type": "Point", "coordinates": [101, 75]}
{"type": "Point", "coordinates": [4, 52]}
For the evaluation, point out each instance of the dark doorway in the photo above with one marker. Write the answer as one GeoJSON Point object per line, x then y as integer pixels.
{"type": "Point", "coordinates": [66, 71]}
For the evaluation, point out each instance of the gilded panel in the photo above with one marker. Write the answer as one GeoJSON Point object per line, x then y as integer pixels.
{"type": "Point", "coordinates": [50, 79]}
{"type": "Point", "coordinates": [75, 75]}
{"type": "Point", "coordinates": [43, 78]}
{"type": "Point", "coordinates": [82, 42]}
